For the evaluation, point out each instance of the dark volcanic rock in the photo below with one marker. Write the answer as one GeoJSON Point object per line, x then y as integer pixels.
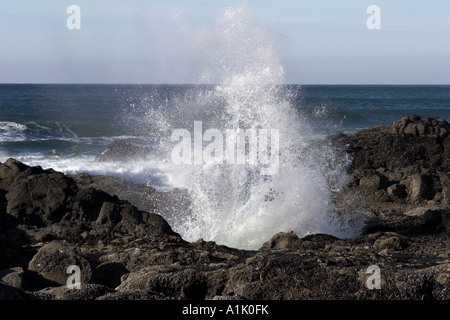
{"type": "Point", "coordinates": [407, 162]}
{"type": "Point", "coordinates": [59, 208]}
{"type": "Point", "coordinates": [11, 168]}
{"type": "Point", "coordinates": [135, 193]}
{"type": "Point", "coordinates": [13, 277]}
{"type": "Point", "coordinates": [420, 187]}
{"type": "Point", "coordinates": [134, 295]}
{"type": "Point", "coordinates": [421, 126]}
{"type": "Point", "coordinates": [372, 182]}
{"type": "Point", "coordinates": [87, 292]}
{"type": "Point", "coordinates": [397, 191]}
{"type": "Point", "coordinates": [145, 198]}
{"type": "Point", "coordinates": [11, 293]}
{"type": "Point", "coordinates": [53, 259]}
{"type": "Point", "coordinates": [110, 228]}
{"type": "Point", "coordinates": [39, 197]}
{"type": "Point", "coordinates": [40, 205]}
{"type": "Point", "coordinates": [283, 240]}
{"type": "Point", "coordinates": [417, 142]}
{"type": "Point", "coordinates": [179, 282]}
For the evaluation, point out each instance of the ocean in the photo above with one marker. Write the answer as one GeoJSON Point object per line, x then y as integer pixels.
{"type": "Point", "coordinates": [64, 127]}
{"type": "Point", "coordinates": [44, 124]}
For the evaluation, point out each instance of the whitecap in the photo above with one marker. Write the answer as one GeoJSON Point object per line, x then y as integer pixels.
{"type": "Point", "coordinates": [12, 131]}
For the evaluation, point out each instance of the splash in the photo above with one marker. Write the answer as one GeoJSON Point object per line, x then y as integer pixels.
{"type": "Point", "coordinates": [236, 205]}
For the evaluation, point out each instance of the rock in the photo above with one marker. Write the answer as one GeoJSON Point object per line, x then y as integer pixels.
{"type": "Point", "coordinates": [61, 208]}
{"type": "Point", "coordinates": [13, 277]}
{"type": "Point", "coordinates": [88, 291]}
{"type": "Point", "coordinates": [135, 193]}
{"type": "Point", "coordinates": [11, 168]}
{"type": "Point", "coordinates": [283, 240]}
{"type": "Point", "coordinates": [181, 283]}
{"type": "Point", "coordinates": [420, 211]}
{"type": "Point", "coordinates": [228, 298]}
{"type": "Point", "coordinates": [11, 293]}
{"type": "Point", "coordinates": [446, 194]}
{"type": "Point", "coordinates": [36, 295]}
{"type": "Point", "coordinates": [416, 142]}
{"type": "Point", "coordinates": [51, 220]}
{"type": "Point", "coordinates": [57, 293]}
{"type": "Point", "coordinates": [168, 204]}
{"type": "Point", "coordinates": [393, 176]}
{"type": "Point", "coordinates": [373, 182]}
{"type": "Point", "coordinates": [120, 150]}
{"type": "Point", "coordinates": [109, 214]}
{"type": "Point", "coordinates": [110, 274]}
{"type": "Point", "coordinates": [437, 220]}
{"type": "Point", "coordinates": [134, 295]}
{"type": "Point", "coordinates": [53, 259]}
{"type": "Point", "coordinates": [413, 152]}
{"type": "Point", "coordinates": [445, 216]}
{"type": "Point", "coordinates": [38, 197]}
{"type": "Point", "coordinates": [290, 241]}
{"type": "Point", "coordinates": [397, 191]}
{"type": "Point", "coordinates": [319, 241]}
{"type": "Point", "coordinates": [141, 223]}
{"type": "Point", "coordinates": [420, 187]}
{"type": "Point", "coordinates": [421, 126]}
{"type": "Point", "coordinates": [391, 241]}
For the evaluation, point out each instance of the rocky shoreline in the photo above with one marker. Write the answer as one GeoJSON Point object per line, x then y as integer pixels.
{"type": "Point", "coordinates": [126, 251]}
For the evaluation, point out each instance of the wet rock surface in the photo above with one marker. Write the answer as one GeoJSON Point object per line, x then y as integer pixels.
{"type": "Point", "coordinates": [110, 228]}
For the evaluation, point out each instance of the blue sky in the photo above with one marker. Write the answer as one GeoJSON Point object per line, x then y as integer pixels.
{"type": "Point", "coordinates": [319, 42]}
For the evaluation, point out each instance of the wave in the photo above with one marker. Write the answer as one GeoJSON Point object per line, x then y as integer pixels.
{"type": "Point", "coordinates": [12, 131]}
{"type": "Point", "coordinates": [56, 146]}
{"type": "Point", "coordinates": [242, 205]}
{"type": "Point", "coordinates": [147, 172]}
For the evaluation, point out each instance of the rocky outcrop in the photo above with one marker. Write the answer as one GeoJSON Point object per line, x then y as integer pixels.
{"type": "Point", "coordinates": [53, 202]}
{"type": "Point", "coordinates": [52, 260]}
{"type": "Point", "coordinates": [420, 126]}
{"type": "Point", "coordinates": [40, 205]}
{"type": "Point", "coordinates": [406, 163]}
{"type": "Point", "coordinates": [144, 197]}
{"type": "Point", "coordinates": [414, 143]}
{"type": "Point", "coordinates": [110, 228]}
{"type": "Point", "coordinates": [13, 277]}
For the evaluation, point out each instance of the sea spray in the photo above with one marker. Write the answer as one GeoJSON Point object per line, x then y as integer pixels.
{"type": "Point", "coordinates": [235, 204]}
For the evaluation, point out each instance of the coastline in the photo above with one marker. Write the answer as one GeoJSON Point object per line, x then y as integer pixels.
{"type": "Point", "coordinates": [128, 252]}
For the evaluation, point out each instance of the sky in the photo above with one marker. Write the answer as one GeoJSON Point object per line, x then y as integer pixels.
{"type": "Point", "coordinates": [164, 41]}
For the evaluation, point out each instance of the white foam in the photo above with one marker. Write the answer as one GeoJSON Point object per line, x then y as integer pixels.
{"type": "Point", "coordinates": [12, 131]}
{"type": "Point", "coordinates": [139, 170]}
{"type": "Point", "coordinates": [235, 205]}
